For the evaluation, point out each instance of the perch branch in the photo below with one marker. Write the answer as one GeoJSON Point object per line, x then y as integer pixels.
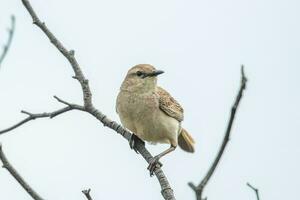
{"type": "Point", "coordinates": [255, 190]}
{"type": "Point", "coordinates": [199, 189]}
{"type": "Point", "coordinates": [17, 176]}
{"type": "Point", "coordinates": [166, 190]}
{"type": "Point", "coordinates": [11, 31]}
{"type": "Point", "coordinates": [87, 194]}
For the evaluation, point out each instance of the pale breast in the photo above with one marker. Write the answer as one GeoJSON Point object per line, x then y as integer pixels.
{"type": "Point", "coordinates": [141, 115]}
{"type": "Point", "coordinates": [133, 108]}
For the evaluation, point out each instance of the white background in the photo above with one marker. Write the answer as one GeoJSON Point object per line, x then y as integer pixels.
{"type": "Point", "coordinates": [200, 45]}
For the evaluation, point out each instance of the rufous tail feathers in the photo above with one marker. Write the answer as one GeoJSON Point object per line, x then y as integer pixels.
{"type": "Point", "coordinates": [186, 142]}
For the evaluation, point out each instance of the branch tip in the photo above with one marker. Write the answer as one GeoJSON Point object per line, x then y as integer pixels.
{"type": "Point", "coordinates": [86, 191]}
{"type": "Point", "coordinates": [87, 194]}
{"type": "Point", "coordinates": [254, 189]}
{"type": "Point", "coordinates": [11, 31]}
{"type": "Point", "coordinates": [244, 78]}
{"type": "Point", "coordinates": [12, 17]}
{"type": "Point", "coordinates": [62, 101]}
{"type": "Point", "coordinates": [193, 186]}
{"type": "Point", "coordinates": [55, 97]}
{"type": "Point", "coordinates": [27, 113]}
{"type": "Point", "coordinates": [204, 181]}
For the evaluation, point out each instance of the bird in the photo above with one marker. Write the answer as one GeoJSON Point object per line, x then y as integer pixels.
{"type": "Point", "coordinates": [151, 113]}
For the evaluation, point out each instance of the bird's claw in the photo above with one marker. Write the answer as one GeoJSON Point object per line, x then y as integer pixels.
{"type": "Point", "coordinates": [133, 142]}
{"type": "Point", "coordinates": [153, 164]}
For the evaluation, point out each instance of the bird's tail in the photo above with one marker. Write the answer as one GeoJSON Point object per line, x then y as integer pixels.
{"type": "Point", "coordinates": [185, 141]}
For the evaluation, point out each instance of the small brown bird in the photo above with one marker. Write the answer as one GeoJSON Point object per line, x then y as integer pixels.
{"type": "Point", "coordinates": [150, 112]}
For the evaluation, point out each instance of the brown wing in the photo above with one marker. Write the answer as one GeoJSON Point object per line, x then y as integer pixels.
{"type": "Point", "coordinates": [169, 105]}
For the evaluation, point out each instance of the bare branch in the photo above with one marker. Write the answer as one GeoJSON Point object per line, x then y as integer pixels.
{"type": "Point", "coordinates": [87, 194]}
{"type": "Point", "coordinates": [166, 190]}
{"type": "Point", "coordinates": [51, 115]}
{"type": "Point", "coordinates": [17, 176]}
{"type": "Point", "coordinates": [87, 95]}
{"type": "Point", "coordinates": [255, 190]}
{"type": "Point", "coordinates": [11, 31]}
{"type": "Point", "coordinates": [199, 189]}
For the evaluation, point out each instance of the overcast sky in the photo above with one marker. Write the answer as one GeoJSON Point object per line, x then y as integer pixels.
{"type": "Point", "coordinates": [200, 45]}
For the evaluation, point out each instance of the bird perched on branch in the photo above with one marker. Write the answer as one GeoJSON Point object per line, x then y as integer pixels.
{"type": "Point", "coordinates": [151, 113]}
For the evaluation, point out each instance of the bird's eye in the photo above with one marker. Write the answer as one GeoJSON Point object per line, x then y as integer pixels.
{"type": "Point", "coordinates": [139, 73]}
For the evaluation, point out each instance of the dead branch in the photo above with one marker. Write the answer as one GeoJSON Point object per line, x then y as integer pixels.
{"type": "Point", "coordinates": [50, 115]}
{"type": "Point", "coordinates": [11, 31]}
{"type": "Point", "coordinates": [23, 183]}
{"type": "Point", "coordinates": [199, 189]}
{"type": "Point", "coordinates": [255, 190]}
{"type": "Point", "coordinates": [88, 107]}
{"type": "Point", "coordinates": [17, 176]}
{"type": "Point", "coordinates": [87, 194]}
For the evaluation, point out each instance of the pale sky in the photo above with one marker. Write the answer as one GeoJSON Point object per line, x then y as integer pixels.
{"type": "Point", "coordinates": [200, 45]}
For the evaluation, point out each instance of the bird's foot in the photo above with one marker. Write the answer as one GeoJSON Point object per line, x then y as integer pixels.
{"type": "Point", "coordinates": [153, 164]}
{"type": "Point", "coordinates": [134, 140]}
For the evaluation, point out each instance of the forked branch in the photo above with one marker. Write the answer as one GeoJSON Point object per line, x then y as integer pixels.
{"type": "Point", "coordinates": [199, 189]}
{"type": "Point", "coordinates": [88, 107]}
{"type": "Point", "coordinates": [50, 115]}
{"type": "Point", "coordinates": [255, 190]}
{"type": "Point", "coordinates": [87, 194]}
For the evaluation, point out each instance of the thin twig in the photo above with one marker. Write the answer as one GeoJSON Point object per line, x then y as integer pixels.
{"type": "Point", "coordinates": [17, 176]}
{"type": "Point", "coordinates": [166, 190]}
{"type": "Point", "coordinates": [11, 31]}
{"type": "Point", "coordinates": [87, 95]}
{"type": "Point", "coordinates": [199, 189]}
{"type": "Point", "coordinates": [87, 194]}
{"type": "Point", "coordinates": [51, 115]}
{"type": "Point", "coordinates": [255, 190]}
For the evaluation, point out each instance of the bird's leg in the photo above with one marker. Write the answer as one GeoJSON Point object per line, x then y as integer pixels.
{"type": "Point", "coordinates": [134, 140]}
{"type": "Point", "coordinates": [155, 161]}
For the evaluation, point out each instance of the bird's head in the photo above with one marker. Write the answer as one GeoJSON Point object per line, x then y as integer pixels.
{"type": "Point", "coordinates": [141, 78]}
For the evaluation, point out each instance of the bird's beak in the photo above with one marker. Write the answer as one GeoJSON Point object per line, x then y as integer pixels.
{"type": "Point", "coordinates": [155, 73]}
